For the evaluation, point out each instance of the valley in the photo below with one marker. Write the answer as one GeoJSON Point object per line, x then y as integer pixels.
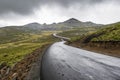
{"type": "Point", "coordinates": [18, 44]}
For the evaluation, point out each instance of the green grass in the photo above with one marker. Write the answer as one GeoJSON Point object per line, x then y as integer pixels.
{"type": "Point", "coordinates": [13, 51]}
{"type": "Point", "coordinates": [13, 54]}
{"type": "Point", "coordinates": [110, 33]}
{"type": "Point", "coordinates": [77, 33]}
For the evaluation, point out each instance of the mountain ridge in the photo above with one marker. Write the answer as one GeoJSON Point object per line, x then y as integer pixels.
{"type": "Point", "coordinates": [65, 25]}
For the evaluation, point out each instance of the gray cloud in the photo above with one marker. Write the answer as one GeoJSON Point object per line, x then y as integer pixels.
{"type": "Point", "coordinates": [81, 2]}
{"type": "Point", "coordinates": [25, 7]}
{"type": "Point", "coordinates": [18, 6]}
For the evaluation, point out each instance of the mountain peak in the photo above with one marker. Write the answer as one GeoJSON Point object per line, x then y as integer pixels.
{"type": "Point", "coordinates": [72, 20]}
{"type": "Point", "coordinates": [34, 23]}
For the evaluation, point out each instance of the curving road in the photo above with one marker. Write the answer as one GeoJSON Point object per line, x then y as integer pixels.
{"type": "Point", "coordinates": [63, 62]}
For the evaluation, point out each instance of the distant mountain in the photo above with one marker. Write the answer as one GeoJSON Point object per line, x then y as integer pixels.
{"type": "Point", "coordinates": [37, 28]}
{"type": "Point", "coordinates": [68, 24]}
{"type": "Point", "coordinates": [33, 26]}
{"type": "Point", "coordinates": [76, 23]}
{"type": "Point", "coordinates": [91, 24]}
{"type": "Point", "coordinates": [72, 23]}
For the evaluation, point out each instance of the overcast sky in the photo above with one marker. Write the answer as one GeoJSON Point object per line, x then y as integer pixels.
{"type": "Point", "coordinates": [20, 12]}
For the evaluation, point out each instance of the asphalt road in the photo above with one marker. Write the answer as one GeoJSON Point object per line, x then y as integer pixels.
{"type": "Point", "coordinates": [63, 62]}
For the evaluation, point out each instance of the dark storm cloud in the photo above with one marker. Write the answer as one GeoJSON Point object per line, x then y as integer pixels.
{"type": "Point", "coordinates": [27, 6]}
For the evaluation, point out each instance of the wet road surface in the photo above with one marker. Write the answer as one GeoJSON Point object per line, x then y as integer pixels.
{"type": "Point", "coordinates": [63, 62]}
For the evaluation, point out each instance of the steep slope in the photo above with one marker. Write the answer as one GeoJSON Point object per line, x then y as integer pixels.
{"type": "Point", "coordinates": [110, 33]}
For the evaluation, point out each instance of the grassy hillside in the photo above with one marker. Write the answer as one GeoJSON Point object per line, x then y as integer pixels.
{"type": "Point", "coordinates": [104, 40]}
{"type": "Point", "coordinates": [110, 33]}
{"type": "Point", "coordinates": [15, 43]}
{"type": "Point", "coordinates": [15, 33]}
{"type": "Point", "coordinates": [77, 33]}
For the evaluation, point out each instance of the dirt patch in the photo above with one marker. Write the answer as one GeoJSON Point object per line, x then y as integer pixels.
{"type": "Point", "coordinates": [22, 68]}
{"type": "Point", "coordinates": [111, 48]}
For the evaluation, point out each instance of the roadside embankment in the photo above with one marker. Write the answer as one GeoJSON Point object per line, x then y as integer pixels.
{"type": "Point", "coordinates": [111, 48]}
{"type": "Point", "coordinates": [22, 70]}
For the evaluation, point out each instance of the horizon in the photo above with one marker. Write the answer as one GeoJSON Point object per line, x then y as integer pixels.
{"type": "Point", "coordinates": [55, 22]}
